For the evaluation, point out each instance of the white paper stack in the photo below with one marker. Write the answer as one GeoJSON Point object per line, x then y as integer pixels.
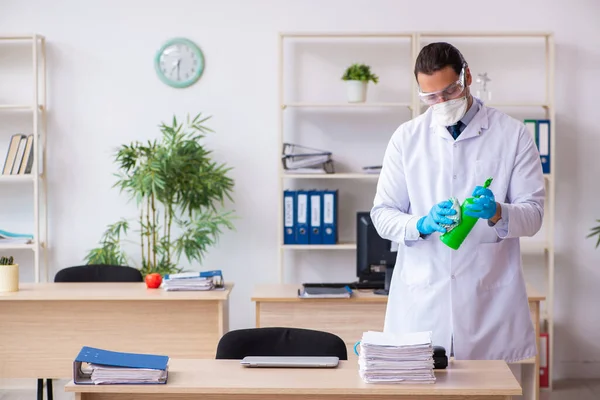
{"type": "Point", "coordinates": [102, 375]}
{"type": "Point", "coordinates": [188, 281]}
{"type": "Point", "coordinates": [389, 358]}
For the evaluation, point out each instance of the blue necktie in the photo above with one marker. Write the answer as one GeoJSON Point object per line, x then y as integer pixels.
{"type": "Point", "coordinates": [455, 129]}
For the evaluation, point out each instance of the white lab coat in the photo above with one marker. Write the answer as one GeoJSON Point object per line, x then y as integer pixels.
{"type": "Point", "coordinates": [476, 293]}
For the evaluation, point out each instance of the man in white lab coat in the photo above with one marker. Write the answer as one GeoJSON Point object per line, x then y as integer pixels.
{"type": "Point", "coordinates": [473, 299]}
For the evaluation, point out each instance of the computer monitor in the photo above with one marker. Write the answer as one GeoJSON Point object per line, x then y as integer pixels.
{"type": "Point", "coordinates": [374, 255]}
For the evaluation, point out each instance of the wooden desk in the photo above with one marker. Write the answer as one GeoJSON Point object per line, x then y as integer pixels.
{"type": "Point", "coordinates": [226, 379]}
{"type": "Point", "coordinates": [43, 326]}
{"type": "Point", "coordinates": [279, 305]}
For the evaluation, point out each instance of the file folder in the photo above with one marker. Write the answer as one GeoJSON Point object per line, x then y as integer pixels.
{"type": "Point", "coordinates": [543, 130]}
{"type": "Point", "coordinates": [289, 211]}
{"type": "Point", "coordinates": [316, 201]}
{"type": "Point", "coordinates": [330, 205]}
{"type": "Point", "coordinates": [302, 217]}
{"type": "Point", "coordinates": [531, 125]}
{"type": "Point", "coordinates": [118, 361]}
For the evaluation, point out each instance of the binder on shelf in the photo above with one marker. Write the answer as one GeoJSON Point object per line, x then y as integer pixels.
{"type": "Point", "coordinates": [302, 217]}
{"type": "Point", "coordinates": [330, 205]}
{"type": "Point", "coordinates": [289, 212]}
{"type": "Point", "coordinates": [531, 125]}
{"type": "Point", "coordinates": [316, 205]}
{"type": "Point", "coordinates": [540, 132]}
{"type": "Point", "coordinates": [94, 366]}
{"type": "Point", "coordinates": [544, 347]}
{"type": "Point", "coordinates": [543, 130]}
{"type": "Point", "coordinates": [296, 157]}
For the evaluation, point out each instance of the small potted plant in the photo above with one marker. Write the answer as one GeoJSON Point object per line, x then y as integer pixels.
{"type": "Point", "coordinates": [9, 275]}
{"type": "Point", "coordinates": [357, 77]}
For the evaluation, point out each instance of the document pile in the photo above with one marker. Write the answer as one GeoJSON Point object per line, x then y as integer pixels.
{"type": "Point", "coordinates": [103, 367]}
{"type": "Point", "coordinates": [194, 281]}
{"type": "Point", "coordinates": [389, 358]}
{"type": "Point", "coordinates": [15, 238]}
{"type": "Point", "coordinates": [305, 160]}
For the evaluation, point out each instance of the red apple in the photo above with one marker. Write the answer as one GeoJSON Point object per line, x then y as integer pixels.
{"type": "Point", "coordinates": [153, 280]}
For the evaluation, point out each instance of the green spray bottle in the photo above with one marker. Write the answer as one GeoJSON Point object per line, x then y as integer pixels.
{"type": "Point", "coordinates": [454, 237]}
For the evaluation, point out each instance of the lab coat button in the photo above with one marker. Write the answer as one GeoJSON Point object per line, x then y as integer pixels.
{"type": "Point", "coordinates": [454, 176]}
{"type": "Point", "coordinates": [452, 276]}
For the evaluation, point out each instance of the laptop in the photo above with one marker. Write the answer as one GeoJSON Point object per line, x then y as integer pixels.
{"type": "Point", "coordinates": [290, 362]}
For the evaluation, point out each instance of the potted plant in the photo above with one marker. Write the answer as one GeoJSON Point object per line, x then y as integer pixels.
{"type": "Point", "coordinates": [595, 231]}
{"type": "Point", "coordinates": [9, 275]}
{"type": "Point", "coordinates": [178, 189]}
{"type": "Point", "coordinates": [357, 77]}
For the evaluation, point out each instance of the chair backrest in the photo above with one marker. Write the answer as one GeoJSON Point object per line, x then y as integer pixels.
{"type": "Point", "coordinates": [99, 273]}
{"type": "Point", "coordinates": [279, 341]}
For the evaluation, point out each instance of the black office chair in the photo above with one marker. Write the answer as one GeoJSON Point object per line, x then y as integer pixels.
{"type": "Point", "coordinates": [99, 273]}
{"type": "Point", "coordinates": [279, 341]}
{"type": "Point", "coordinates": [90, 273]}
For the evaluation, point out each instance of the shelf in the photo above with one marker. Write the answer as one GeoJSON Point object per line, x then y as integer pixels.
{"type": "Point", "coordinates": [350, 105]}
{"type": "Point", "coordinates": [18, 246]}
{"type": "Point", "coordinates": [339, 246]}
{"type": "Point", "coordinates": [486, 34]}
{"type": "Point", "coordinates": [18, 107]}
{"type": "Point", "coordinates": [332, 176]}
{"type": "Point", "coordinates": [23, 37]}
{"type": "Point", "coordinates": [16, 178]}
{"type": "Point", "coordinates": [519, 105]}
{"type": "Point", "coordinates": [526, 247]}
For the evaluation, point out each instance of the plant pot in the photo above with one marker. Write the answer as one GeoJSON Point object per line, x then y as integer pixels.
{"type": "Point", "coordinates": [9, 278]}
{"type": "Point", "coordinates": [356, 91]}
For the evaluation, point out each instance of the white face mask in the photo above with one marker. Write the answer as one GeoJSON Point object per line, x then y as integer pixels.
{"type": "Point", "coordinates": [449, 112]}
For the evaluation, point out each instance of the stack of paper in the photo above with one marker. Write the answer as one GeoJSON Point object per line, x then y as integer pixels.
{"type": "Point", "coordinates": [103, 375]}
{"type": "Point", "coordinates": [191, 281]}
{"type": "Point", "coordinates": [389, 358]}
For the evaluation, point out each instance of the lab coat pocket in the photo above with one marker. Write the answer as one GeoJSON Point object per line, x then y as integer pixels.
{"type": "Point", "coordinates": [492, 267]}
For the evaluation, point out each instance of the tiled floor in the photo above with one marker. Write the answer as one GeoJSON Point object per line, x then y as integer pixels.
{"type": "Point", "coordinates": [567, 390]}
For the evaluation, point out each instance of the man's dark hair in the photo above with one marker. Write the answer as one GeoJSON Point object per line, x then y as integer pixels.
{"type": "Point", "coordinates": [437, 56]}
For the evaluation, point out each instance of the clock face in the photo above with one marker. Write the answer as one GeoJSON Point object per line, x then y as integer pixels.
{"type": "Point", "coordinates": [179, 63]}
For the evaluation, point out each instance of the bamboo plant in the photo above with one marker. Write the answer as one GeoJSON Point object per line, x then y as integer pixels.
{"type": "Point", "coordinates": [179, 191]}
{"type": "Point", "coordinates": [595, 231]}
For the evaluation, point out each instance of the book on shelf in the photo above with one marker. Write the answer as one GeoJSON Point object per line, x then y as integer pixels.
{"type": "Point", "coordinates": [19, 156]}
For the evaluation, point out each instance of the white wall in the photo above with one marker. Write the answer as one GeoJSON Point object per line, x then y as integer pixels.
{"type": "Point", "coordinates": [103, 92]}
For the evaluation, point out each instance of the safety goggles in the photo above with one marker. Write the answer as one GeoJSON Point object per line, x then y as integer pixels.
{"type": "Point", "coordinates": [452, 91]}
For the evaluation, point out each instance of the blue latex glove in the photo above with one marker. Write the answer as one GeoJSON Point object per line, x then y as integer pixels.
{"type": "Point", "coordinates": [484, 204]}
{"type": "Point", "coordinates": [430, 223]}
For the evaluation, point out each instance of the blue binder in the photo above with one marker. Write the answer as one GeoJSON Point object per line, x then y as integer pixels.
{"type": "Point", "coordinates": [330, 211]}
{"type": "Point", "coordinates": [302, 217]}
{"type": "Point", "coordinates": [289, 212]}
{"type": "Point", "coordinates": [543, 132]}
{"type": "Point", "coordinates": [316, 207]}
{"type": "Point", "coordinates": [115, 359]}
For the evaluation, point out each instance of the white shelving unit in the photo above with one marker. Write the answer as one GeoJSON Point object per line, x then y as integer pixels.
{"type": "Point", "coordinates": [37, 110]}
{"type": "Point", "coordinates": [543, 247]}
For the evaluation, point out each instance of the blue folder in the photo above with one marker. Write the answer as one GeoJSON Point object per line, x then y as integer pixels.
{"type": "Point", "coordinates": [115, 359]}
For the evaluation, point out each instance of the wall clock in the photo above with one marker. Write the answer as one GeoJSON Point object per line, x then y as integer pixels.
{"type": "Point", "coordinates": [179, 63]}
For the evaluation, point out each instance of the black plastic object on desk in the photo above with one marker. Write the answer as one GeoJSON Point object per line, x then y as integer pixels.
{"type": "Point", "coordinates": [440, 359]}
